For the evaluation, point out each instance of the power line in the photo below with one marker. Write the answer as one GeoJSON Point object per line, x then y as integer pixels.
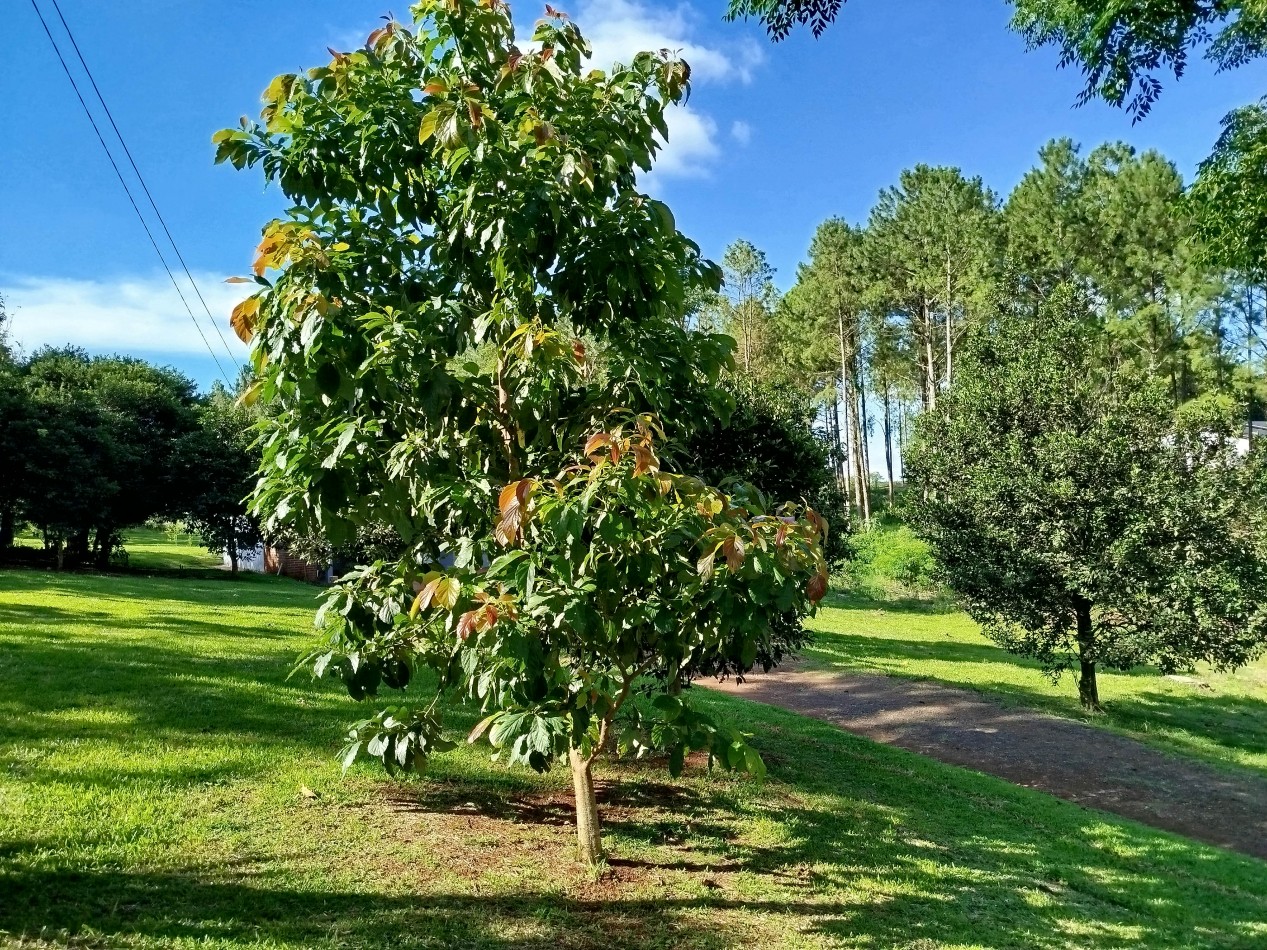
{"type": "Point", "coordinates": [128, 192]}
{"type": "Point", "coordinates": [141, 178]}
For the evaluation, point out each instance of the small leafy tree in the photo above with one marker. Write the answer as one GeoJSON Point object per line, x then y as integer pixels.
{"type": "Point", "coordinates": [1077, 518]}
{"type": "Point", "coordinates": [217, 463]}
{"type": "Point", "coordinates": [466, 213]}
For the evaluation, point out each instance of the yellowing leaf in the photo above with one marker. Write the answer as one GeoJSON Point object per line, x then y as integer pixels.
{"type": "Point", "coordinates": [244, 317]}
{"type": "Point", "coordinates": [428, 126]}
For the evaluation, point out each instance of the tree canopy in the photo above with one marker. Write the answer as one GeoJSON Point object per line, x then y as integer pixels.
{"type": "Point", "coordinates": [1081, 520]}
{"type": "Point", "coordinates": [1120, 45]}
{"type": "Point", "coordinates": [466, 217]}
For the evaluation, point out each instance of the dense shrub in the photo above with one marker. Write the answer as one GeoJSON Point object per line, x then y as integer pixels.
{"type": "Point", "coordinates": [892, 553]}
{"type": "Point", "coordinates": [770, 442]}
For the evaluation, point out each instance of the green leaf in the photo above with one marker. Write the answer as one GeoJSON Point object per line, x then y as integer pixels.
{"type": "Point", "coordinates": [427, 128]}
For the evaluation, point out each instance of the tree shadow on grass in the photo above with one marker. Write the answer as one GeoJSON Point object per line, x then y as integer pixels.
{"type": "Point", "coordinates": [863, 598]}
{"type": "Point", "coordinates": [852, 878]}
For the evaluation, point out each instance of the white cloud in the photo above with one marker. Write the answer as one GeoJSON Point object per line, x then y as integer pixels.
{"type": "Point", "coordinates": [127, 315]}
{"type": "Point", "coordinates": [692, 145]}
{"type": "Point", "coordinates": [741, 132]}
{"type": "Point", "coordinates": [618, 29]}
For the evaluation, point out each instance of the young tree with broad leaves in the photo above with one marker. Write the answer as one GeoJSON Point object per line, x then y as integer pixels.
{"type": "Point", "coordinates": [1080, 520]}
{"type": "Point", "coordinates": [465, 213]}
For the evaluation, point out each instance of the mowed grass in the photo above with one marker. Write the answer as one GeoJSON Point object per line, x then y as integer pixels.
{"type": "Point", "coordinates": [163, 784]}
{"type": "Point", "coordinates": [1220, 717]}
{"type": "Point", "coordinates": [149, 549]}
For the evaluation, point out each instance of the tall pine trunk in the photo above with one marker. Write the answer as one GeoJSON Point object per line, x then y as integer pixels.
{"type": "Point", "coordinates": [588, 837]}
{"type": "Point", "coordinates": [930, 369]}
{"type": "Point", "coordinates": [864, 467]}
{"type": "Point", "coordinates": [888, 440]}
{"type": "Point", "coordinates": [950, 311]}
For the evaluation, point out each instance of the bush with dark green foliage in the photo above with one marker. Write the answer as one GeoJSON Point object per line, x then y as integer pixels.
{"type": "Point", "coordinates": [99, 450]}
{"type": "Point", "coordinates": [1078, 519]}
{"type": "Point", "coordinates": [769, 442]}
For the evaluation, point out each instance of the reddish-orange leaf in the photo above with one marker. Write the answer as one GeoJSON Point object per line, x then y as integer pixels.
{"type": "Point", "coordinates": [508, 497]}
{"type": "Point", "coordinates": [597, 441]}
{"type": "Point", "coordinates": [523, 488]}
{"type": "Point", "coordinates": [427, 593]}
{"type": "Point", "coordinates": [817, 586]}
{"type": "Point", "coordinates": [733, 550]}
{"type": "Point", "coordinates": [466, 624]}
{"type": "Point", "coordinates": [645, 460]}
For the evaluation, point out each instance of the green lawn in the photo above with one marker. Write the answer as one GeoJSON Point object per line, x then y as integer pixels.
{"type": "Point", "coordinates": [162, 784]}
{"type": "Point", "coordinates": [150, 549]}
{"type": "Point", "coordinates": [1218, 717]}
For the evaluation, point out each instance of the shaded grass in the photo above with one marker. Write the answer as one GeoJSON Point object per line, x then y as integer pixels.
{"type": "Point", "coordinates": [149, 549]}
{"type": "Point", "coordinates": [1218, 717]}
{"type": "Point", "coordinates": [162, 784]}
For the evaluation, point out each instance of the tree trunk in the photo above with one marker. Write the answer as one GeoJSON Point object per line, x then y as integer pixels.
{"type": "Point", "coordinates": [888, 440]}
{"type": "Point", "coordinates": [930, 374]}
{"type": "Point", "coordinates": [105, 545]}
{"type": "Point", "coordinates": [8, 528]}
{"type": "Point", "coordinates": [233, 556]}
{"type": "Point", "coordinates": [864, 469]}
{"type": "Point", "coordinates": [846, 395]}
{"type": "Point", "coordinates": [1088, 689]}
{"type": "Point", "coordinates": [587, 828]}
{"type": "Point", "coordinates": [949, 320]}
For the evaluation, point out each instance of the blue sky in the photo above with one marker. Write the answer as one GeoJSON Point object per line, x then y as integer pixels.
{"type": "Point", "coordinates": [776, 137]}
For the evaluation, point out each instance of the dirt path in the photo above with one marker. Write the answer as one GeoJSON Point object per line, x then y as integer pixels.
{"type": "Point", "coordinates": [1093, 767]}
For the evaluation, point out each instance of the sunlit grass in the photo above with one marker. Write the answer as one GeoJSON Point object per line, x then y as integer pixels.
{"type": "Point", "coordinates": [163, 784]}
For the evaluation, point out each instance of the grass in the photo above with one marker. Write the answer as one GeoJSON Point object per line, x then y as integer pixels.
{"type": "Point", "coordinates": [163, 784]}
{"type": "Point", "coordinates": [149, 549]}
{"type": "Point", "coordinates": [1221, 718]}
{"type": "Point", "coordinates": [152, 550]}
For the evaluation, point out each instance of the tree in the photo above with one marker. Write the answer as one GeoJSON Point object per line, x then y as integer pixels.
{"type": "Point", "coordinates": [833, 291]}
{"type": "Point", "coordinates": [933, 239]}
{"type": "Point", "coordinates": [1229, 203]}
{"type": "Point", "coordinates": [466, 214]}
{"type": "Point", "coordinates": [1079, 520]}
{"type": "Point", "coordinates": [1049, 235]}
{"type": "Point", "coordinates": [101, 456]}
{"type": "Point", "coordinates": [1229, 194]}
{"type": "Point", "coordinates": [1120, 45]}
{"type": "Point", "coordinates": [218, 462]}
{"type": "Point", "coordinates": [15, 436]}
{"type": "Point", "coordinates": [768, 441]}
{"type": "Point", "coordinates": [744, 307]}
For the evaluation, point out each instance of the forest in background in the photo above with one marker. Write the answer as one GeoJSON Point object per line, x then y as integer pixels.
{"type": "Point", "coordinates": [870, 329]}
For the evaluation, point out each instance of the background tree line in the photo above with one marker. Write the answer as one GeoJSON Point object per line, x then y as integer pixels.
{"type": "Point", "coordinates": [872, 327]}
{"type": "Point", "coordinates": [91, 446]}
